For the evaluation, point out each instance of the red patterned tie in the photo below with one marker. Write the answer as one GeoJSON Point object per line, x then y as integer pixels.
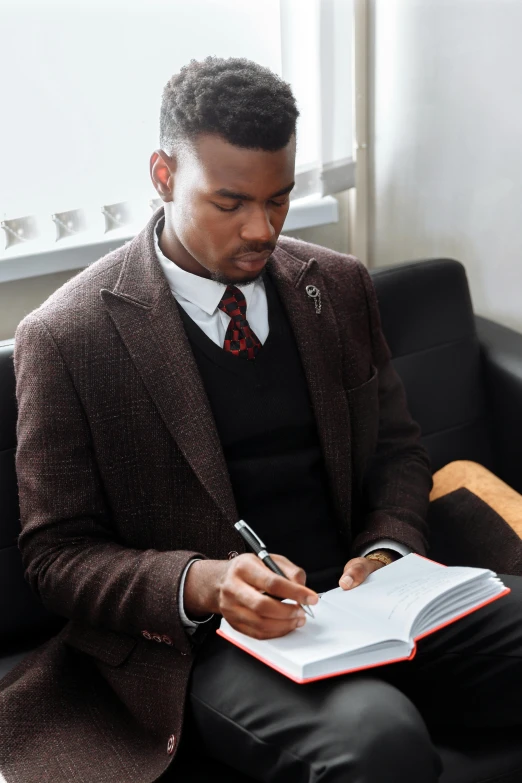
{"type": "Point", "coordinates": [239, 338]}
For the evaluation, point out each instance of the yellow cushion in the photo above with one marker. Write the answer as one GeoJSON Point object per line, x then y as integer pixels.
{"type": "Point", "coordinates": [478, 479]}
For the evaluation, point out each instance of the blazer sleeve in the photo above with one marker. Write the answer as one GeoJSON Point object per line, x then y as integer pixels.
{"type": "Point", "coordinates": [398, 477]}
{"type": "Point", "coordinates": [70, 554]}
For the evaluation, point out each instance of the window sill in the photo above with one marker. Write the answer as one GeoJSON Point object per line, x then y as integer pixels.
{"type": "Point", "coordinates": [78, 252]}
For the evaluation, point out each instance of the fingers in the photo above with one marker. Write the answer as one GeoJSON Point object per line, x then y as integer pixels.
{"type": "Point", "coordinates": [290, 570]}
{"type": "Point", "coordinates": [262, 605]}
{"type": "Point", "coordinates": [254, 572]}
{"type": "Point", "coordinates": [250, 623]}
{"type": "Point", "coordinates": [246, 602]}
{"type": "Point", "coordinates": [356, 571]}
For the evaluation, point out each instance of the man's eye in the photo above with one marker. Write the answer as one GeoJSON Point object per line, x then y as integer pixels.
{"type": "Point", "coordinates": [227, 209]}
{"type": "Point", "coordinates": [233, 209]}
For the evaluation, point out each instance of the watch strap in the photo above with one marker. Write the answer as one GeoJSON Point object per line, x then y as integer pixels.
{"type": "Point", "coordinates": [380, 556]}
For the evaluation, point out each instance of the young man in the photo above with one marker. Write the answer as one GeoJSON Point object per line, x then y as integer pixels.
{"type": "Point", "coordinates": [208, 371]}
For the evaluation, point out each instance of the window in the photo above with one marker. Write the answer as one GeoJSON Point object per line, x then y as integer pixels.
{"type": "Point", "coordinates": [83, 81]}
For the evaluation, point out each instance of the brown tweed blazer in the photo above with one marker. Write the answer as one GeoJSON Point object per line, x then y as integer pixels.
{"type": "Point", "coordinates": [122, 481]}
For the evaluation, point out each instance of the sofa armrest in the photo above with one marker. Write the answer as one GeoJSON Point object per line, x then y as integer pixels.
{"type": "Point", "coordinates": [501, 350]}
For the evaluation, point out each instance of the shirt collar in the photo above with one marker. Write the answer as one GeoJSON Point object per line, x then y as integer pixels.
{"type": "Point", "coordinates": [201, 291]}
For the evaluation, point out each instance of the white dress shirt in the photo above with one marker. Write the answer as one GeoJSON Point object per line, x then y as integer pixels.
{"type": "Point", "coordinates": [199, 297]}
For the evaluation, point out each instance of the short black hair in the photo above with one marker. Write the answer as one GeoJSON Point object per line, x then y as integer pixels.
{"type": "Point", "coordinates": [238, 99]}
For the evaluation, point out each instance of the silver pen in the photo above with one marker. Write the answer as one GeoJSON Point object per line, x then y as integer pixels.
{"type": "Point", "coordinates": [259, 548]}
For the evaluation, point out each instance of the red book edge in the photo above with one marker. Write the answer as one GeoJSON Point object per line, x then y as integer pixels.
{"type": "Point", "coordinates": [300, 681]}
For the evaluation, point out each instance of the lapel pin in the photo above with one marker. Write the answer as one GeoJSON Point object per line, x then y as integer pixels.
{"type": "Point", "coordinates": [314, 293]}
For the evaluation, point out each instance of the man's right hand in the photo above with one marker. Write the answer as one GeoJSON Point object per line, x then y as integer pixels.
{"type": "Point", "coordinates": [236, 589]}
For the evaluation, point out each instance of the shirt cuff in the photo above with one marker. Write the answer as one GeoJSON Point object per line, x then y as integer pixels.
{"type": "Point", "coordinates": [189, 625]}
{"type": "Point", "coordinates": [387, 543]}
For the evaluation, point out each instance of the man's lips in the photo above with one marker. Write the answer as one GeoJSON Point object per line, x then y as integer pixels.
{"type": "Point", "coordinates": [252, 261]}
{"type": "Point", "coordinates": [254, 256]}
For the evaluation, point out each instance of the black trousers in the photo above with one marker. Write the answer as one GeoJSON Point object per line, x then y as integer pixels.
{"type": "Point", "coordinates": [368, 727]}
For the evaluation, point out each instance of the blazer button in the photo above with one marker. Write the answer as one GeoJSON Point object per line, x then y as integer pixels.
{"type": "Point", "coordinates": [231, 555]}
{"type": "Point", "coordinates": [156, 637]}
{"type": "Point", "coordinates": [171, 743]}
{"type": "Point", "coordinates": [146, 634]}
{"type": "Point", "coordinates": [166, 639]}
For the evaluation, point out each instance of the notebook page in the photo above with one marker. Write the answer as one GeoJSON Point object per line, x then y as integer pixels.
{"type": "Point", "coordinates": [395, 595]}
{"type": "Point", "coordinates": [467, 599]}
{"type": "Point", "coordinates": [328, 634]}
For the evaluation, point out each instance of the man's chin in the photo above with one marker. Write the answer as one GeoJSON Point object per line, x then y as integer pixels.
{"type": "Point", "coordinates": [241, 279]}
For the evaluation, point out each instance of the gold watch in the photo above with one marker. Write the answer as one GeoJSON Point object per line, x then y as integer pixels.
{"type": "Point", "coordinates": [380, 556]}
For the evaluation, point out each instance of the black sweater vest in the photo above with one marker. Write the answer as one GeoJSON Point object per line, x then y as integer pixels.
{"type": "Point", "coordinates": [266, 426]}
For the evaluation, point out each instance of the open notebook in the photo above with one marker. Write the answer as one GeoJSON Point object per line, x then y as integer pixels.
{"type": "Point", "coordinates": [376, 623]}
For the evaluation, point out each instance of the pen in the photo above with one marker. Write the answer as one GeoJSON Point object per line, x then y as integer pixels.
{"type": "Point", "coordinates": [259, 548]}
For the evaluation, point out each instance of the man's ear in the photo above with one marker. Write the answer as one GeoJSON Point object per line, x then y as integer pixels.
{"type": "Point", "coordinates": [162, 169]}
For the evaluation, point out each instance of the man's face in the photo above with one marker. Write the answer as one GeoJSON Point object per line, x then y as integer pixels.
{"type": "Point", "coordinates": [223, 204]}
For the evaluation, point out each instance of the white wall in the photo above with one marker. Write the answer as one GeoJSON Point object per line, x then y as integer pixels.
{"type": "Point", "coordinates": [446, 141]}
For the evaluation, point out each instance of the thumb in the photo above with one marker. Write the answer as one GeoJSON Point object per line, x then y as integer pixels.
{"type": "Point", "coordinates": [356, 571]}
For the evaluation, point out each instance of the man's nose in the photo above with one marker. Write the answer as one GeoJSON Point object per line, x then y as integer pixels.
{"type": "Point", "coordinates": [258, 227]}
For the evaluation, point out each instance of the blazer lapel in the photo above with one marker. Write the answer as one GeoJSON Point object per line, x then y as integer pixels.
{"type": "Point", "coordinates": [319, 345]}
{"type": "Point", "coordinates": [145, 314]}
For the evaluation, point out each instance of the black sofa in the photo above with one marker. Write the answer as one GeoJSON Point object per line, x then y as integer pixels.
{"type": "Point", "coordinates": [463, 377]}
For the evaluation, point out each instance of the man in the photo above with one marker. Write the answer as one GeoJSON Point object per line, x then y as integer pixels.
{"type": "Point", "coordinates": [208, 371]}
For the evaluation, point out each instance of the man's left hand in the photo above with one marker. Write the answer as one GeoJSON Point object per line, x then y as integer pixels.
{"type": "Point", "coordinates": [356, 571]}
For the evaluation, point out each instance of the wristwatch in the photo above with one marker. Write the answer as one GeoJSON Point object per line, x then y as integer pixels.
{"type": "Point", "coordinates": [381, 556]}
